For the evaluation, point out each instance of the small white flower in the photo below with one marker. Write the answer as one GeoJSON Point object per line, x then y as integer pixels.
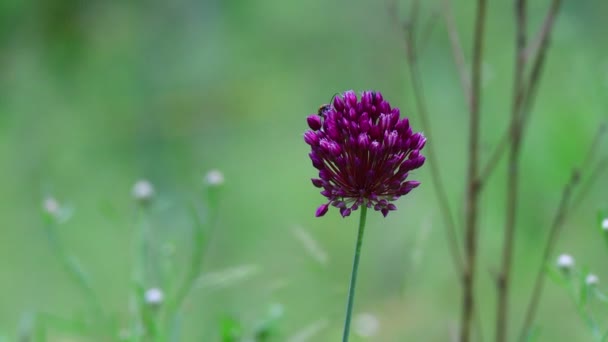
{"type": "Point", "coordinates": [143, 190]}
{"type": "Point", "coordinates": [214, 178]}
{"type": "Point", "coordinates": [565, 262]}
{"type": "Point", "coordinates": [605, 224]}
{"type": "Point", "coordinates": [51, 206]}
{"type": "Point", "coordinates": [592, 279]}
{"type": "Point", "coordinates": [366, 325]}
{"type": "Point", "coordinates": [154, 296]}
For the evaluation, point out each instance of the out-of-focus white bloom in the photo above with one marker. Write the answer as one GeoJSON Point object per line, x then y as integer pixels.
{"type": "Point", "coordinates": [366, 325]}
{"type": "Point", "coordinates": [154, 296]}
{"type": "Point", "coordinates": [592, 279]}
{"type": "Point", "coordinates": [565, 262]}
{"type": "Point", "coordinates": [60, 213]}
{"type": "Point", "coordinates": [605, 224]}
{"type": "Point", "coordinates": [51, 206]}
{"type": "Point", "coordinates": [214, 178]}
{"type": "Point", "coordinates": [143, 190]}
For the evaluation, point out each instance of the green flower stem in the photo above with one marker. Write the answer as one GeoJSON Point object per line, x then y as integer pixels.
{"type": "Point", "coordinates": [142, 325]}
{"type": "Point", "coordinates": [73, 267]}
{"type": "Point", "coordinates": [353, 275]}
{"type": "Point", "coordinates": [199, 252]}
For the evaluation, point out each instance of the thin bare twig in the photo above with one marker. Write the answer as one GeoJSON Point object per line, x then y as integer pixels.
{"type": "Point", "coordinates": [457, 51]}
{"type": "Point", "coordinates": [588, 185]}
{"type": "Point", "coordinates": [543, 35]}
{"type": "Point", "coordinates": [441, 193]}
{"type": "Point", "coordinates": [472, 190]}
{"type": "Point", "coordinates": [539, 282]}
{"type": "Point", "coordinates": [596, 171]}
{"type": "Point", "coordinates": [538, 50]}
{"type": "Point", "coordinates": [412, 53]}
{"type": "Point", "coordinates": [559, 220]}
{"type": "Point", "coordinates": [501, 147]}
{"type": "Point", "coordinates": [429, 26]}
{"type": "Point", "coordinates": [503, 280]}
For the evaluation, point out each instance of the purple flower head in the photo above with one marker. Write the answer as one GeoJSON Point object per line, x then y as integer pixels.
{"type": "Point", "coordinates": [364, 152]}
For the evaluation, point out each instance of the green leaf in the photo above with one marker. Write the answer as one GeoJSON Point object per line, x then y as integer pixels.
{"type": "Point", "coordinates": [231, 329]}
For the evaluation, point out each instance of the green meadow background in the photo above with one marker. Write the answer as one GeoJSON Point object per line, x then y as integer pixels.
{"type": "Point", "coordinates": [95, 95]}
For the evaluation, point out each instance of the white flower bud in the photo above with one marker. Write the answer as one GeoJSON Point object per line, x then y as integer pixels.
{"type": "Point", "coordinates": [592, 279]}
{"type": "Point", "coordinates": [154, 296]}
{"type": "Point", "coordinates": [143, 190]}
{"type": "Point", "coordinates": [51, 206]}
{"type": "Point", "coordinates": [605, 224]}
{"type": "Point", "coordinates": [565, 262]}
{"type": "Point", "coordinates": [214, 178]}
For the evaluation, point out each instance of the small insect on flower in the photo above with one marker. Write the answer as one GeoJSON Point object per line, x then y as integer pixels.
{"type": "Point", "coordinates": [324, 108]}
{"type": "Point", "coordinates": [364, 152]}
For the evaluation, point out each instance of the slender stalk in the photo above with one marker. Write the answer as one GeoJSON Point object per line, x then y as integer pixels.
{"type": "Point", "coordinates": [504, 276]}
{"type": "Point", "coordinates": [420, 102]}
{"type": "Point", "coordinates": [536, 53]}
{"type": "Point", "coordinates": [73, 268]}
{"type": "Point", "coordinates": [472, 196]}
{"type": "Point", "coordinates": [143, 325]}
{"type": "Point", "coordinates": [560, 218]}
{"type": "Point", "coordinates": [439, 187]}
{"type": "Point", "coordinates": [198, 247]}
{"type": "Point", "coordinates": [548, 250]}
{"type": "Point", "coordinates": [353, 275]}
{"type": "Point", "coordinates": [200, 250]}
{"type": "Point", "coordinates": [457, 52]}
{"type": "Point", "coordinates": [598, 170]}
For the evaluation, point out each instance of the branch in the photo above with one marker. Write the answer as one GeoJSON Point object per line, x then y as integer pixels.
{"type": "Point", "coordinates": [457, 51]}
{"type": "Point", "coordinates": [504, 276]}
{"type": "Point", "coordinates": [585, 188]}
{"type": "Point", "coordinates": [429, 26]}
{"type": "Point", "coordinates": [420, 99]}
{"type": "Point", "coordinates": [412, 52]}
{"type": "Point", "coordinates": [560, 218]}
{"type": "Point", "coordinates": [538, 50]}
{"type": "Point", "coordinates": [472, 197]}
{"type": "Point", "coordinates": [539, 282]}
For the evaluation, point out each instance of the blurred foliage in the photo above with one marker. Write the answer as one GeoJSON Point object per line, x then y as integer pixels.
{"type": "Point", "coordinates": [95, 95]}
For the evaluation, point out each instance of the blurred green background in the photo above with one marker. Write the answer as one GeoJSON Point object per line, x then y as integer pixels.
{"type": "Point", "coordinates": [95, 95]}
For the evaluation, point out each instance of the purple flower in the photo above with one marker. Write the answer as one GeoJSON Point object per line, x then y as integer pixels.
{"type": "Point", "coordinates": [364, 152]}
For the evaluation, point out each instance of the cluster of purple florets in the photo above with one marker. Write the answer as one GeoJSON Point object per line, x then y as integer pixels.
{"type": "Point", "coordinates": [364, 153]}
